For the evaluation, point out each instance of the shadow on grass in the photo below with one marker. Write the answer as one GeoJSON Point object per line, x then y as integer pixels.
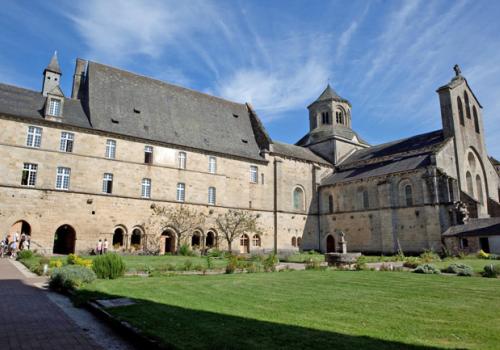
{"type": "Point", "coordinates": [182, 328]}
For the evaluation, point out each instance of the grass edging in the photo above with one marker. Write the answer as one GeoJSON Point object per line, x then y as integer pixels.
{"type": "Point", "coordinates": [125, 329]}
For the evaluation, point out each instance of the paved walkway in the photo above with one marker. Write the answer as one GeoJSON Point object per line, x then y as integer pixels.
{"type": "Point", "coordinates": [30, 320]}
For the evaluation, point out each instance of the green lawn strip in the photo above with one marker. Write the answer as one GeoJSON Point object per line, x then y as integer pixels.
{"type": "Point", "coordinates": [303, 257]}
{"type": "Point", "coordinates": [313, 309]}
{"type": "Point", "coordinates": [476, 264]}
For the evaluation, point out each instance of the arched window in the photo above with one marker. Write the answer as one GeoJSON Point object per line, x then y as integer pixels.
{"type": "Point", "coordinates": [196, 240]}
{"type": "Point", "coordinates": [479, 186]}
{"type": "Point", "coordinates": [294, 241]}
{"type": "Point", "coordinates": [467, 106]}
{"type": "Point", "coordinates": [330, 204]}
{"type": "Point", "coordinates": [244, 244]}
{"type": "Point", "coordinates": [408, 195]}
{"type": "Point", "coordinates": [471, 159]}
{"type": "Point", "coordinates": [256, 241]}
{"type": "Point", "coordinates": [363, 198]}
{"type": "Point", "coordinates": [470, 187]}
{"type": "Point", "coordinates": [298, 198]}
{"type": "Point", "coordinates": [325, 118]}
{"type": "Point", "coordinates": [460, 111]}
{"type": "Point", "coordinates": [118, 237]}
{"type": "Point", "coordinates": [211, 240]}
{"type": "Point", "coordinates": [476, 120]}
{"type": "Point", "coordinates": [299, 242]}
{"type": "Point", "coordinates": [135, 239]}
{"type": "Point", "coordinates": [339, 117]}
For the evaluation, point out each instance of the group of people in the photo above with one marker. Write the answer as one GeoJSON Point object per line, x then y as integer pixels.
{"type": "Point", "coordinates": [11, 244]}
{"type": "Point", "coordinates": [102, 247]}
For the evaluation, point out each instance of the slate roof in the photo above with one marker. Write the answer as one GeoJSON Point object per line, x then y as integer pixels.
{"type": "Point", "coordinates": [475, 227]}
{"type": "Point", "coordinates": [297, 152]}
{"type": "Point", "coordinates": [326, 132]}
{"type": "Point", "coordinates": [154, 110]}
{"type": "Point", "coordinates": [330, 94]}
{"type": "Point", "coordinates": [54, 65]}
{"type": "Point", "coordinates": [494, 161]}
{"type": "Point", "coordinates": [397, 156]}
{"type": "Point", "coordinates": [21, 102]}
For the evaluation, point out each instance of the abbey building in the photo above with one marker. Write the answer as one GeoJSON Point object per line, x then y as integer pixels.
{"type": "Point", "coordinates": [89, 166]}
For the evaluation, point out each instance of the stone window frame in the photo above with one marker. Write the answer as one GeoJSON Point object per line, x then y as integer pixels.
{"type": "Point", "coordinates": [107, 183]}
{"type": "Point", "coordinates": [254, 174]}
{"type": "Point", "coordinates": [331, 207]}
{"type": "Point", "coordinates": [479, 188]}
{"type": "Point", "coordinates": [29, 174]}
{"type": "Point", "coordinates": [182, 160]}
{"type": "Point", "coordinates": [403, 185]}
{"type": "Point", "coordinates": [34, 136]}
{"type": "Point", "coordinates": [467, 105]}
{"type": "Point", "coordinates": [212, 164]}
{"type": "Point", "coordinates": [212, 195]}
{"type": "Point", "coordinates": [363, 198]}
{"type": "Point", "coordinates": [63, 176]}
{"type": "Point", "coordinates": [55, 107]}
{"type": "Point", "coordinates": [181, 192]}
{"type": "Point", "coordinates": [110, 149]}
{"type": "Point", "coordinates": [256, 241]}
{"type": "Point", "coordinates": [476, 119]}
{"type": "Point", "coordinates": [294, 203]}
{"type": "Point", "coordinates": [146, 188]}
{"type": "Point", "coordinates": [460, 111]}
{"type": "Point", "coordinates": [148, 154]}
{"type": "Point", "coordinates": [67, 142]}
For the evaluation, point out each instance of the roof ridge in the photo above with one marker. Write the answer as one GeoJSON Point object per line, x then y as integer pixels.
{"type": "Point", "coordinates": [142, 76]}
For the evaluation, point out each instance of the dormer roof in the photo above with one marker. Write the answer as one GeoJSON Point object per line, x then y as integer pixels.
{"type": "Point", "coordinates": [53, 65]}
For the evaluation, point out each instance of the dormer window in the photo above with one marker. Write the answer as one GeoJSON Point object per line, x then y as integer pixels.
{"type": "Point", "coordinates": [55, 107]}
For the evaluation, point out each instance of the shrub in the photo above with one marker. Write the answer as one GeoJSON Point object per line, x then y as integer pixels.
{"type": "Point", "coordinates": [412, 262]}
{"type": "Point", "coordinates": [215, 253]}
{"type": "Point", "coordinates": [185, 250]}
{"type": "Point", "coordinates": [188, 264]}
{"type": "Point", "coordinates": [270, 263]}
{"type": "Point", "coordinates": [232, 264]}
{"type": "Point", "coordinates": [109, 265]}
{"type": "Point", "coordinates": [70, 277]}
{"type": "Point", "coordinates": [25, 254]}
{"type": "Point", "coordinates": [71, 258]}
{"type": "Point", "coordinates": [459, 269]}
{"type": "Point", "coordinates": [210, 264]}
{"type": "Point", "coordinates": [429, 256]}
{"type": "Point", "coordinates": [494, 257]}
{"type": "Point", "coordinates": [483, 255]}
{"type": "Point", "coordinates": [491, 271]}
{"type": "Point", "coordinates": [427, 269]}
{"type": "Point", "coordinates": [312, 264]}
{"type": "Point", "coordinates": [83, 262]}
{"type": "Point", "coordinates": [360, 264]}
{"type": "Point", "coordinates": [56, 263]}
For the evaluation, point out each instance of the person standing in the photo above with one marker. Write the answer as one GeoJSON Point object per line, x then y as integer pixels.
{"type": "Point", "coordinates": [105, 246]}
{"type": "Point", "coordinates": [99, 248]}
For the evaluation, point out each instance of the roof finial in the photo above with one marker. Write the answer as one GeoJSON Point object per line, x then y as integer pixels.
{"type": "Point", "coordinates": [457, 70]}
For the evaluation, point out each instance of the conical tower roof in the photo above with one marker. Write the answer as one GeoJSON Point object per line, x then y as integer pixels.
{"type": "Point", "coordinates": [54, 65]}
{"type": "Point", "coordinates": [329, 94]}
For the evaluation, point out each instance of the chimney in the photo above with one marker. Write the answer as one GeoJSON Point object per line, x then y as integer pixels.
{"type": "Point", "coordinates": [78, 78]}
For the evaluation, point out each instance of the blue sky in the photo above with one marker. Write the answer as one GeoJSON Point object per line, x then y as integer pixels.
{"type": "Point", "coordinates": [386, 57]}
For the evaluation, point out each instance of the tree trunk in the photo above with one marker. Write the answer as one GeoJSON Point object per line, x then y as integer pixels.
{"type": "Point", "coordinates": [229, 243]}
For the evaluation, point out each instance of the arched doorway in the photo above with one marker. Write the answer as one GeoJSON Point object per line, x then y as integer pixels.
{"type": "Point", "coordinates": [244, 244]}
{"type": "Point", "coordinates": [196, 240]}
{"type": "Point", "coordinates": [21, 227]}
{"type": "Point", "coordinates": [330, 244]}
{"type": "Point", "coordinates": [118, 237]}
{"type": "Point", "coordinates": [169, 241]}
{"type": "Point", "coordinates": [135, 238]}
{"type": "Point", "coordinates": [64, 240]}
{"type": "Point", "coordinates": [210, 240]}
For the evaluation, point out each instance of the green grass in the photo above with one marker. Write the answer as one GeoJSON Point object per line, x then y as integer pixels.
{"type": "Point", "coordinates": [303, 257]}
{"type": "Point", "coordinates": [312, 309]}
{"type": "Point", "coordinates": [476, 264]}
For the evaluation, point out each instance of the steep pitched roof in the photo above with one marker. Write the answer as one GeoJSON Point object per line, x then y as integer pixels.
{"type": "Point", "coordinates": [134, 105]}
{"type": "Point", "coordinates": [326, 132]}
{"type": "Point", "coordinates": [21, 102]}
{"type": "Point", "coordinates": [330, 94]}
{"type": "Point", "coordinates": [475, 227]}
{"type": "Point", "coordinates": [297, 152]}
{"type": "Point", "coordinates": [54, 64]}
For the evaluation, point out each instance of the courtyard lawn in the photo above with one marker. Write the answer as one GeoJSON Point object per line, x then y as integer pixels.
{"type": "Point", "coordinates": [476, 264]}
{"type": "Point", "coordinates": [303, 257]}
{"type": "Point", "coordinates": [311, 309]}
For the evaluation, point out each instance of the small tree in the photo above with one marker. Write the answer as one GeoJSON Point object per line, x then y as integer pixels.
{"type": "Point", "coordinates": [234, 223]}
{"type": "Point", "coordinates": [181, 218]}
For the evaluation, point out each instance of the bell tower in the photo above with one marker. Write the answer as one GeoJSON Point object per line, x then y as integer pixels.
{"type": "Point", "coordinates": [329, 110]}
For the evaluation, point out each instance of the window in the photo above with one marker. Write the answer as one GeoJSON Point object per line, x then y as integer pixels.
{"type": "Point", "coordinates": [29, 174]}
{"type": "Point", "coordinates": [298, 199]}
{"type": "Point", "coordinates": [294, 241]}
{"type": "Point", "coordinates": [34, 137]}
{"type": "Point", "coordinates": [299, 242]}
{"type": "Point", "coordinates": [476, 120]}
{"type": "Point", "coordinates": [479, 186]}
{"type": "Point", "coordinates": [111, 149]}
{"type": "Point", "coordinates": [464, 243]}
{"type": "Point", "coordinates": [256, 241]}
{"type": "Point", "coordinates": [363, 198]}
{"type": "Point", "coordinates": [62, 178]}
{"type": "Point", "coordinates": [182, 160]}
{"type": "Point", "coordinates": [181, 192]}
{"type": "Point", "coordinates": [325, 118]}
{"type": "Point", "coordinates": [107, 183]}
{"type": "Point", "coordinates": [330, 204]}
{"type": "Point", "coordinates": [262, 178]}
{"type": "Point", "coordinates": [146, 188]}
{"type": "Point", "coordinates": [408, 195]}
{"type": "Point", "coordinates": [254, 174]}
{"type": "Point", "coordinates": [340, 117]}
{"type": "Point", "coordinates": [470, 188]}
{"type": "Point", "coordinates": [148, 154]}
{"type": "Point", "coordinates": [66, 144]}
{"type": "Point", "coordinates": [212, 165]}
{"type": "Point", "coordinates": [55, 107]}
{"type": "Point", "coordinates": [211, 195]}
{"type": "Point", "coordinates": [467, 106]}
{"type": "Point", "coordinates": [450, 190]}
{"type": "Point", "coordinates": [460, 111]}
